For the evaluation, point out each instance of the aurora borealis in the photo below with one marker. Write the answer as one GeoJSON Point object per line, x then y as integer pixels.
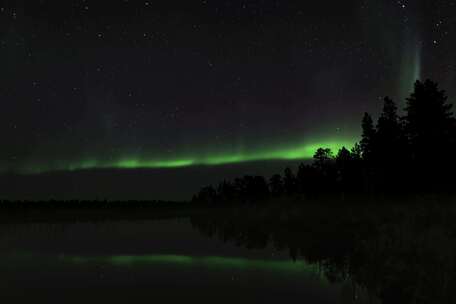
{"type": "Point", "coordinates": [178, 84]}
{"type": "Point", "coordinates": [287, 266]}
{"type": "Point", "coordinates": [214, 262]}
{"type": "Point", "coordinates": [302, 152]}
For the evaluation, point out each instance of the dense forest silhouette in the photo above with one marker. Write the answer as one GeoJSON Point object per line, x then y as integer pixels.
{"type": "Point", "coordinates": [408, 153]}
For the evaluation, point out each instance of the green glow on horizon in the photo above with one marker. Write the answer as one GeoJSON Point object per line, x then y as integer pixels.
{"type": "Point", "coordinates": [132, 163]}
{"type": "Point", "coordinates": [297, 152]}
{"type": "Point", "coordinates": [207, 261]}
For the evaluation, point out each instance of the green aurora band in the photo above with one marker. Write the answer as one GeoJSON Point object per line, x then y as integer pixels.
{"type": "Point", "coordinates": [410, 68]}
{"type": "Point", "coordinates": [287, 266]}
{"type": "Point", "coordinates": [298, 152]}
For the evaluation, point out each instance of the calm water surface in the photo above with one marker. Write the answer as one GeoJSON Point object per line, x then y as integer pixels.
{"type": "Point", "coordinates": [148, 260]}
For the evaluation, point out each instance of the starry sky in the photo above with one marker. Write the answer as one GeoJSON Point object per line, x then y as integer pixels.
{"type": "Point", "coordinates": [159, 84]}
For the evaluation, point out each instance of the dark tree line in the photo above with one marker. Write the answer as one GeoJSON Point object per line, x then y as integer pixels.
{"type": "Point", "coordinates": [414, 151]}
{"type": "Point", "coordinates": [399, 153]}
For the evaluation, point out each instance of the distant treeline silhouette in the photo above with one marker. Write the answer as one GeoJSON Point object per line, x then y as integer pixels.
{"type": "Point", "coordinates": [399, 154]}
{"type": "Point", "coordinates": [87, 204]}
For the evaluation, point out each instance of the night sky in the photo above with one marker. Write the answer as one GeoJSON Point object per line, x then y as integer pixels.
{"type": "Point", "coordinates": [160, 84]}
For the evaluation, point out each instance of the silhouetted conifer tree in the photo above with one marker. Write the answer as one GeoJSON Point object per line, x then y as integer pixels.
{"type": "Point", "coordinates": [226, 191]}
{"type": "Point", "coordinates": [389, 129]}
{"type": "Point", "coordinates": [356, 152]}
{"type": "Point", "coordinates": [349, 169]}
{"type": "Point", "coordinates": [367, 138]}
{"type": "Point", "coordinates": [389, 147]}
{"type": "Point", "coordinates": [261, 189]}
{"type": "Point", "coordinates": [289, 181]}
{"type": "Point", "coordinates": [323, 159]}
{"type": "Point", "coordinates": [306, 178]}
{"type": "Point", "coordinates": [429, 121]}
{"type": "Point", "coordinates": [276, 185]}
{"type": "Point", "coordinates": [324, 163]}
{"type": "Point", "coordinates": [240, 187]}
{"type": "Point", "coordinates": [207, 195]}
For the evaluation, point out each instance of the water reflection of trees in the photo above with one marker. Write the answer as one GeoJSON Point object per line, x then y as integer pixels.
{"type": "Point", "coordinates": [398, 253]}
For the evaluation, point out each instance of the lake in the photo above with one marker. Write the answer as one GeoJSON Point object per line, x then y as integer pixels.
{"type": "Point", "coordinates": [252, 254]}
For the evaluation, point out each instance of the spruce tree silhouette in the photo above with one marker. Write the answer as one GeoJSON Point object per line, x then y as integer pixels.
{"type": "Point", "coordinates": [390, 146]}
{"type": "Point", "coordinates": [261, 188]}
{"type": "Point", "coordinates": [323, 158]}
{"type": "Point", "coordinates": [276, 186]}
{"type": "Point", "coordinates": [356, 152]}
{"type": "Point", "coordinates": [306, 179]}
{"type": "Point", "coordinates": [430, 130]}
{"type": "Point", "coordinates": [367, 138]}
{"type": "Point", "coordinates": [354, 171]}
{"type": "Point", "coordinates": [344, 164]}
{"type": "Point", "coordinates": [289, 181]}
{"type": "Point", "coordinates": [343, 158]}
{"type": "Point", "coordinates": [226, 191]}
{"type": "Point", "coordinates": [240, 187]}
{"type": "Point", "coordinates": [389, 132]}
{"type": "Point", "coordinates": [324, 164]}
{"type": "Point", "coordinates": [207, 195]}
{"type": "Point", "coordinates": [368, 151]}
